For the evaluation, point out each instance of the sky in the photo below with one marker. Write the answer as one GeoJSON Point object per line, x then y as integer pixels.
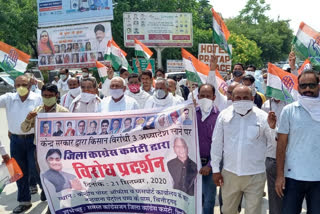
{"type": "Point", "coordinates": [297, 11]}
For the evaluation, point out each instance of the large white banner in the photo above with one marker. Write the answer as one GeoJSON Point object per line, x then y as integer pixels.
{"type": "Point", "coordinates": [73, 46]}
{"type": "Point", "coordinates": [158, 29]}
{"type": "Point", "coordinates": [130, 162]}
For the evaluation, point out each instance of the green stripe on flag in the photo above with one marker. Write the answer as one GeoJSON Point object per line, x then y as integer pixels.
{"type": "Point", "coordinates": [279, 95]}
{"type": "Point", "coordinates": [140, 53]}
{"type": "Point", "coordinates": [194, 77]}
{"type": "Point", "coordinates": [221, 42]}
{"type": "Point", "coordinates": [12, 72]}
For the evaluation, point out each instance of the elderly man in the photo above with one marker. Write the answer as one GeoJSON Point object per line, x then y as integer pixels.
{"type": "Point", "coordinates": [174, 90]}
{"type": "Point", "coordinates": [161, 97]}
{"type": "Point", "coordinates": [74, 91]}
{"type": "Point", "coordinates": [118, 101]}
{"type": "Point", "coordinates": [135, 92]}
{"type": "Point", "coordinates": [240, 139]}
{"type": "Point", "coordinates": [22, 148]}
{"type": "Point", "coordinates": [88, 100]}
{"type": "Point", "coordinates": [298, 148]}
{"type": "Point", "coordinates": [206, 119]}
{"type": "Point", "coordinates": [182, 169]}
{"type": "Point", "coordinates": [63, 87]}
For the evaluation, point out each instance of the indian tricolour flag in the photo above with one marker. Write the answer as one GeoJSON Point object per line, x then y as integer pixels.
{"type": "Point", "coordinates": [281, 85]}
{"type": "Point", "coordinates": [307, 44]}
{"type": "Point", "coordinates": [143, 51]}
{"type": "Point", "coordinates": [102, 71]}
{"type": "Point", "coordinates": [198, 71]}
{"type": "Point", "coordinates": [220, 32]}
{"type": "Point", "coordinates": [13, 61]}
{"type": "Point", "coordinates": [117, 56]}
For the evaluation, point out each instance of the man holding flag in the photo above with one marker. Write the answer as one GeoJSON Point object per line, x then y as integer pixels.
{"type": "Point", "coordinates": [298, 160]}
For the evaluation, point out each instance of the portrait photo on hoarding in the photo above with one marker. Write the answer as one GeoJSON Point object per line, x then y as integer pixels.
{"type": "Point", "coordinates": [45, 129]}
{"type": "Point", "coordinates": [127, 125]}
{"type": "Point", "coordinates": [51, 60]}
{"type": "Point", "coordinates": [92, 128]}
{"type": "Point", "coordinates": [150, 124]}
{"type": "Point", "coordinates": [69, 128]}
{"type": "Point", "coordinates": [45, 45]}
{"type": "Point", "coordinates": [174, 118]}
{"type": "Point", "coordinates": [115, 126]}
{"type": "Point", "coordinates": [139, 122]}
{"type": "Point", "coordinates": [75, 58]}
{"type": "Point", "coordinates": [81, 127]}
{"type": "Point", "coordinates": [104, 127]}
{"type": "Point", "coordinates": [58, 128]}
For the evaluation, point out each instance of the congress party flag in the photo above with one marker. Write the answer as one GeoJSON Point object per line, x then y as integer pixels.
{"type": "Point", "coordinates": [305, 66]}
{"type": "Point", "coordinates": [307, 44]}
{"type": "Point", "coordinates": [9, 172]}
{"type": "Point", "coordinates": [102, 71]}
{"type": "Point", "coordinates": [13, 61]}
{"type": "Point", "coordinates": [196, 70]}
{"type": "Point", "coordinates": [142, 50]}
{"type": "Point", "coordinates": [281, 85]}
{"type": "Point", "coordinates": [117, 56]}
{"type": "Point", "coordinates": [220, 32]}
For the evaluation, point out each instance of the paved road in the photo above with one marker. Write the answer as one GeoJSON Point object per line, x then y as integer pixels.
{"type": "Point", "coordinates": [8, 198]}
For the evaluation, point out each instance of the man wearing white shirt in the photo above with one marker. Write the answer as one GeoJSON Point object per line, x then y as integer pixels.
{"type": "Point", "coordinates": [22, 148]}
{"type": "Point", "coordinates": [118, 101]}
{"type": "Point", "coordinates": [74, 91]}
{"type": "Point", "coordinates": [240, 139]}
{"type": "Point", "coordinates": [100, 44]}
{"type": "Point", "coordinates": [55, 80]}
{"type": "Point", "coordinates": [275, 202]}
{"type": "Point", "coordinates": [88, 100]}
{"type": "Point", "coordinates": [63, 82]}
{"type": "Point", "coordinates": [135, 92]}
{"type": "Point", "coordinates": [161, 97]}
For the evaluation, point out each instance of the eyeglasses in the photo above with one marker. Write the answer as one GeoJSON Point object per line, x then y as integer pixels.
{"type": "Point", "coordinates": [310, 85]}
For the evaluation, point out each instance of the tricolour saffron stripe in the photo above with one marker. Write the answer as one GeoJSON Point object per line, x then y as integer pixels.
{"type": "Point", "coordinates": [21, 55]}
{"type": "Point", "coordinates": [219, 22]}
{"type": "Point", "coordinates": [276, 71]}
{"type": "Point", "coordinates": [142, 50]}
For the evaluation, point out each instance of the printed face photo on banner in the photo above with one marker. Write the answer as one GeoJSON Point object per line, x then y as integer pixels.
{"type": "Point", "coordinates": [104, 127]}
{"type": "Point", "coordinates": [139, 122]}
{"type": "Point", "coordinates": [55, 175]}
{"type": "Point", "coordinates": [81, 127]}
{"type": "Point", "coordinates": [45, 129]}
{"type": "Point", "coordinates": [58, 128]}
{"type": "Point", "coordinates": [150, 123]}
{"type": "Point", "coordinates": [92, 127]}
{"type": "Point", "coordinates": [174, 118]}
{"type": "Point", "coordinates": [127, 125]}
{"type": "Point", "coordinates": [70, 128]}
{"type": "Point", "coordinates": [115, 126]}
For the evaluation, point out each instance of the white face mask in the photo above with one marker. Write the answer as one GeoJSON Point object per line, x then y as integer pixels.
{"type": "Point", "coordinates": [242, 106]}
{"type": "Point", "coordinates": [116, 93]}
{"type": "Point", "coordinates": [75, 91]}
{"type": "Point", "coordinates": [87, 97]}
{"type": "Point", "coordinates": [205, 105]}
{"type": "Point", "coordinates": [229, 103]}
{"type": "Point", "coordinates": [160, 94]}
{"type": "Point", "coordinates": [311, 105]}
{"type": "Point", "coordinates": [85, 74]}
{"type": "Point", "coordinates": [63, 77]}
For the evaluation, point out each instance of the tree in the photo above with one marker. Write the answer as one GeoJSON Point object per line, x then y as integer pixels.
{"type": "Point", "coordinates": [273, 37]}
{"type": "Point", "coordinates": [244, 50]}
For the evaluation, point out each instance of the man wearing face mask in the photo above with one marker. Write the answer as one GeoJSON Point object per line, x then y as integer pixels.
{"type": "Point", "coordinates": [88, 100]}
{"type": "Point", "coordinates": [17, 106]}
{"type": "Point", "coordinates": [135, 92]}
{"type": "Point", "coordinates": [85, 73]}
{"type": "Point", "coordinates": [238, 72]}
{"type": "Point", "coordinates": [161, 97]}
{"type": "Point", "coordinates": [298, 160]}
{"type": "Point", "coordinates": [174, 90]}
{"type": "Point", "coordinates": [258, 98]}
{"type": "Point", "coordinates": [74, 91]}
{"type": "Point", "coordinates": [206, 119]}
{"type": "Point", "coordinates": [118, 101]}
{"type": "Point", "coordinates": [240, 138]}
{"type": "Point", "coordinates": [63, 81]}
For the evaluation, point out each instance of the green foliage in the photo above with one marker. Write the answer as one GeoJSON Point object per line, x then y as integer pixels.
{"type": "Point", "coordinates": [273, 37]}
{"type": "Point", "coordinates": [244, 50]}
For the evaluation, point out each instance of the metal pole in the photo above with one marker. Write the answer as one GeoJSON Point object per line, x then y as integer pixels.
{"type": "Point", "coordinates": [159, 58]}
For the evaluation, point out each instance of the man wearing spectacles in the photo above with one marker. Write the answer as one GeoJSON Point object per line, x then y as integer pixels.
{"type": "Point", "coordinates": [298, 148]}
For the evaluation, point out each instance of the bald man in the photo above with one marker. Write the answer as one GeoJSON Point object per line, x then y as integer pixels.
{"type": "Point", "coordinates": [22, 148]}
{"type": "Point", "coordinates": [174, 90]}
{"type": "Point", "coordinates": [118, 101]}
{"type": "Point", "coordinates": [240, 138]}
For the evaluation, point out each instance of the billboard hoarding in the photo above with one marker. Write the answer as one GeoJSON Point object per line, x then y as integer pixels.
{"type": "Point", "coordinates": [66, 12]}
{"type": "Point", "coordinates": [73, 46]}
{"type": "Point", "coordinates": [205, 52]}
{"type": "Point", "coordinates": [158, 29]}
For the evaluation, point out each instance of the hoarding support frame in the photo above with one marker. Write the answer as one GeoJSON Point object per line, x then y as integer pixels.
{"type": "Point", "coordinates": [159, 57]}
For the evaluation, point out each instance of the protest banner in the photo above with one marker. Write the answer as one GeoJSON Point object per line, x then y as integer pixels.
{"type": "Point", "coordinates": [73, 46]}
{"type": "Point", "coordinates": [205, 52]}
{"type": "Point", "coordinates": [58, 12]}
{"type": "Point", "coordinates": [175, 65]}
{"type": "Point", "coordinates": [158, 29]}
{"type": "Point", "coordinates": [144, 161]}
{"type": "Point", "coordinates": [144, 64]}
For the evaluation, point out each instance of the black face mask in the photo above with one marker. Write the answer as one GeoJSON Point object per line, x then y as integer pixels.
{"type": "Point", "coordinates": [237, 73]}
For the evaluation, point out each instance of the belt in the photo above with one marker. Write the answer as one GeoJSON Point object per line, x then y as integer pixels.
{"type": "Point", "coordinates": [23, 136]}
